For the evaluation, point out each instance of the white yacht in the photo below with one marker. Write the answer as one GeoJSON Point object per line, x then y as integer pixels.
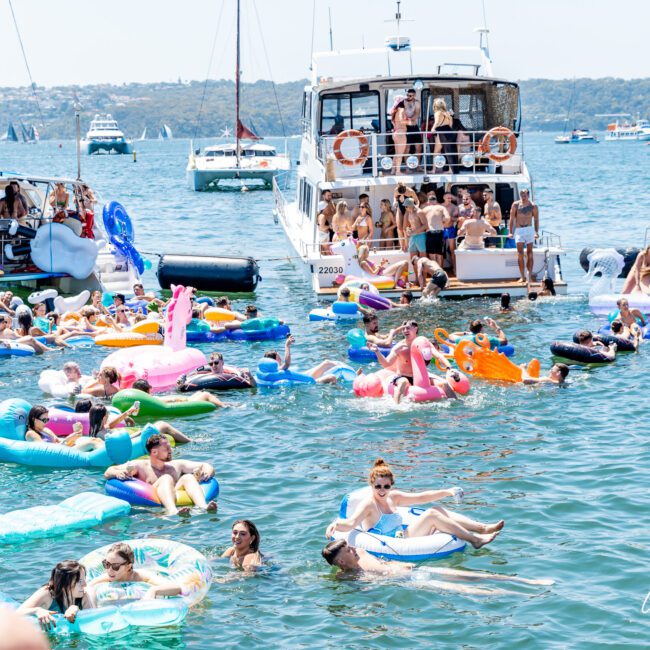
{"type": "Point", "coordinates": [628, 129]}
{"type": "Point", "coordinates": [347, 147]}
{"type": "Point", "coordinates": [234, 161]}
{"type": "Point", "coordinates": [104, 135]}
{"type": "Point", "coordinates": [577, 136]}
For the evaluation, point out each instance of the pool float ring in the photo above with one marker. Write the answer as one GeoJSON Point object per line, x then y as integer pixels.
{"type": "Point", "coordinates": [422, 390]}
{"type": "Point", "coordinates": [154, 407]}
{"type": "Point", "coordinates": [338, 311]}
{"type": "Point", "coordinates": [81, 341]}
{"type": "Point", "coordinates": [359, 351]}
{"type": "Point", "coordinates": [118, 449]}
{"type": "Point", "coordinates": [622, 344]}
{"type": "Point", "coordinates": [373, 301]}
{"type": "Point", "coordinates": [198, 331]}
{"type": "Point", "coordinates": [46, 296]}
{"type": "Point", "coordinates": [139, 493]}
{"type": "Point", "coordinates": [605, 303]}
{"type": "Point", "coordinates": [403, 549]}
{"type": "Point", "coordinates": [145, 332]}
{"type": "Point", "coordinates": [481, 361]}
{"type": "Point", "coordinates": [119, 228]}
{"type": "Point", "coordinates": [63, 418]}
{"type": "Point", "coordinates": [205, 300]}
{"type": "Point", "coordinates": [84, 510]}
{"type": "Point", "coordinates": [607, 329]}
{"type": "Point", "coordinates": [13, 418]}
{"type": "Point", "coordinates": [268, 373]}
{"type": "Point", "coordinates": [259, 329]}
{"type": "Point", "coordinates": [72, 303]}
{"type": "Point", "coordinates": [55, 383]}
{"type": "Point", "coordinates": [161, 365]}
{"type": "Point", "coordinates": [351, 269]}
{"type": "Point", "coordinates": [230, 379]}
{"type": "Point", "coordinates": [575, 353]}
{"type": "Point", "coordinates": [442, 337]}
{"type": "Point", "coordinates": [13, 349]}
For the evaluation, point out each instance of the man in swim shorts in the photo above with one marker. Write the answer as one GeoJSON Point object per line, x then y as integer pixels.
{"type": "Point", "coordinates": [349, 558]}
{"type": "Point", "coordinates": [399, 360]}
{"type": "Point", "coordinates": [523, 214]}
{"type": "Point", "coordinates": [437, 217]}
{"type": "Point", "coordinates": [438, 281]}
{"type": "Point", "coordinates": [167, 475]}
{"type": "Point", "coordinates": [450, 231]}
{"type": "Point", "coordinates": [416, 231]}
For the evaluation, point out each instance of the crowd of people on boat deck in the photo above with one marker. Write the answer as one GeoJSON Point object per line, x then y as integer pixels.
{"type": "Point", "coordinates": [76, 210]}
{"type": "Point", "coordinates": [430, 224]}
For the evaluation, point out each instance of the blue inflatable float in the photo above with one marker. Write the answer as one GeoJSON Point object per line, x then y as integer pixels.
{"type": "Point", "coordinates": [84, 510]}
{"type": "Point", "coordinates": [119, 228]}
{"type": "Point", "coordinates": [339, 310]}
{"type": "Point", "coordinates": [199, 331]}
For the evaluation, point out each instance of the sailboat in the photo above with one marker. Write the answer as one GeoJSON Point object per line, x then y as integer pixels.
{"type": "Point", "coordinates": [165, 133]}
{"type": "Point", "coordinates": [235, 161]}
{"type": "Point", "coordinates": [30, 135]}
{"type": "Point", "coordinates": [10, 135]}
{"type": "Point", "coordinates": [577, 136]}
{"type": "Point", "coordinates": [144, 134]}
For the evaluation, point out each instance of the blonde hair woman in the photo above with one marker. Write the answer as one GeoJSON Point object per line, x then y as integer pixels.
{"type": "Point", "coordinates": [341, 222]}
{"type": "Point", "coordinates": [395, 269]}
{"type": "Point", "coordinates": [445, 138]}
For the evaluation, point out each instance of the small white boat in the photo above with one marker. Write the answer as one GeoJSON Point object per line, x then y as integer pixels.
{"type": "Point", "coordinates": [104, 135]}
{"type": "Point", "coordinates": [577, 136]}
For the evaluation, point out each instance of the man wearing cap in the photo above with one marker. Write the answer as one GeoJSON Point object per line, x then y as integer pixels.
{"type": "Point", "coordinates": [523, 214]}
{"type": "Point", "coordinates": [416, 231]}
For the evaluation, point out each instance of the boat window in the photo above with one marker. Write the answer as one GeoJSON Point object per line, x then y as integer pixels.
{"type": "Point", "coordinates": [305, 197]}
{"type": "Point", "coordinates": [391, 94]}
{"type": "Point", "coordinates": [343, 111]}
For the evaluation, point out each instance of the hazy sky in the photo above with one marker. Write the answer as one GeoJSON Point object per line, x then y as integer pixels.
{"type": "Point", "coordinates": [93, 41]}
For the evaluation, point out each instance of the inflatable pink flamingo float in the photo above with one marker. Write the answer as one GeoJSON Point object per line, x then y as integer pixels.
{"type": "Point", "coordinates": [379, 383]}
{"type": "Point", "coordinates": [161, 365]}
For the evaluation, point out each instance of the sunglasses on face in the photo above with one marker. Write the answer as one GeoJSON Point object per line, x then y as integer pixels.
{"type": "Point", "coordinates": [215, 363]}
{"type": "Point", "coordinates": [113, 565]}
{"type": "Point", "coordinates": [44, 420]}
{"type": "Point", "coordinates": [382, 487]}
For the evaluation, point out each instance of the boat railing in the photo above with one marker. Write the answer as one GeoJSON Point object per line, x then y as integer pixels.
{"type": "Point", "coordinates": [279, 201]}
{"type": "Point", "coordinates": [449, 152]}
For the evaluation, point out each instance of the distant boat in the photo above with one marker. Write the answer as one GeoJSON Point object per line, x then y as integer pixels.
{"type": "Point", "coordinates": [225, 132]}
{"type": "Point", "coordinates": [578, 136]}
{"type": "Point", "coordinates": [10, 135]}
{"type": "Point", "coordinates": [144, 134]}
{"type": "Point", "coordinates": [165, 133]}
{"type": "Point", "coordinates": [628, 130]}
{"type": "Point", "coordinates": [30, 135]}
{"type": "Point", "coordinates": [104, 135]}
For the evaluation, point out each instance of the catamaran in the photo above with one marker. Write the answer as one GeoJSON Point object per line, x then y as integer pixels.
{"type": "Point", "coordinates": [234, 161]}
{"type": "Point", "coordinates": [348, 148]}
{"type": "Point", "coordinates": [104, 135]}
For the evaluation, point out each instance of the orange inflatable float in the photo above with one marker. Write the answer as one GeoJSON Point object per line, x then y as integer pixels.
{"type": "Point", "coordinates": [145, 332]}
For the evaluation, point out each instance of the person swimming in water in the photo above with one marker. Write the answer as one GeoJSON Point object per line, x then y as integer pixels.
{"type": "Point", "coordinates": [245, 550]}
{"type": "Point", "coordinates": [378, 513]}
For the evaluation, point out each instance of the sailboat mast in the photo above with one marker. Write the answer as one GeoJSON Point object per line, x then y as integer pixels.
{"type": "Point", "coordinates": [237, 73]}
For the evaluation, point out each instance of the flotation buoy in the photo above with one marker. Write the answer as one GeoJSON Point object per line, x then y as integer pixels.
{"type": "Point", "coordinates": [501, 132]}
{"type": "Point", "coordinates": [364, 148]}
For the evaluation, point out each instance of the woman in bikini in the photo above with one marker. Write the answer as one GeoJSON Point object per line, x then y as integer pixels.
{"type": "Point", "coordinates": [363, 223]}
{"type": "Point", "coordinates": [377, 513]}
{"type": "Point", "coordinates": [396, 269]}
{"type": "Point", "coordinates": [341, 222]}
{"type": "Point", "coordinates": [37, 431]}
{"type": "Point", "coordinates": [11, 207]}
{"type": "Point", "coordinates": [245, 550]}
{"type": "Point", "coordinates": [399, 121]}
{"type": "Point", "coordinates": [59, 202]}
{"type": "Point", "coordinates": [387, 224]}
{"type": "Point", "coordinates": [638, 279]}
{"type": "Point", "coordinates": [105, 384]}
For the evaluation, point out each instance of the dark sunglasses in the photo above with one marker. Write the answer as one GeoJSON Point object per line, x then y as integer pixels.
{"type": "Point", "coordinates": [383, 487]}
{"type": "Point", "coordinates": [43, 420]}
{"type": "Point", "coordinates": [214, 363]}
{"type": "Point", "coordinates": [113, 565]}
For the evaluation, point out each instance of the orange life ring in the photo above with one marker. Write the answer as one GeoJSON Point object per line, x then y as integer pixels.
{"type": "Point", "coordinates": [499, 132]}
{"type": "Point", "coordinates": [264, 163]}
{"type": "Point", "coordinates": [364, 148]}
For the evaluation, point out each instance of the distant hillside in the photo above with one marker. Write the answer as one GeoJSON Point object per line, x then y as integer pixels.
{"type": "Point", "coordinates": [545, 104]}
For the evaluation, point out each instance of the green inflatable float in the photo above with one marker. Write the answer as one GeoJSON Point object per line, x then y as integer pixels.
{"type": "Point", "coordinates": [155, 407]}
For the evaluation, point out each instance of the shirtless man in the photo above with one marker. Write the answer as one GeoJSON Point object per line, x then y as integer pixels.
{"type": "Point", "coordinates": [556, 375]}
{"type": "Point", "coordinates": [634, 334]}
{"type": "Point", "coordinates": [585, 337]}
{"type": "Point", "coordinates": [7, 334]}
{"type": "Point", "coordinates": [326, 210]}
{"type": "Point", "coordinates": [492, 214]}
{"type": "Point", "coordinates": [5, 303]}
{"type": "Point", "coordinates": [475, 229]}
{"type": "Point", "coordinates": [523, 214]}
{"type": "Point", "coordinates": [416, 231]}
{"type": "Point", "coordinates": [399, 360]}
{"type": "Point", "coordinates": [437, 219]}
{"type": "Point", "coordinates": [349, 558]}
{"type": "Point", "coordinates": [167, 476]}
{"type": "Point", "coordinates": [371, 326]}
{"type": "Point", "coordinates": [412, 114]}
{"type": "Point", "coordinates": [627, 315]}
{"type": "Point", "coordinates": [401, 193]}
{"type": "Point", "coordinates": [439, 278]}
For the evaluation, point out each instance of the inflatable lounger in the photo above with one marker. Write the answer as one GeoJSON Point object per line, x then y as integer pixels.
{"type": "Point", "coordinates": [84, 510]}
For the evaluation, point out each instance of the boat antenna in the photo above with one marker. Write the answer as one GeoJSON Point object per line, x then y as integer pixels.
{"type": "Point", "coordinates": [313, 29]}
{"type": "Point", "coordinates": [29, 72]}
{"type": "Point", "coordinates": [329, 9]}
{"type": "Point", "coordinates": [237, 75]}
{"type": "Point", "coordinates": [77, 117]}
{"type": "Point", "coordinates": [485, 26]}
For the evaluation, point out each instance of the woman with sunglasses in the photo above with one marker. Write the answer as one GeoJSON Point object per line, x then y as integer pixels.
{"type": "Point", "coordinates": [37, 431]}
{"type": "Point", "coordinates": [119, 567]}
{"type": "Point", "coordinates": [377, 513]}
{"type": "Point", "coordinates": [65, 593]}
{"type": "Point", "coordinates": [245, 550]}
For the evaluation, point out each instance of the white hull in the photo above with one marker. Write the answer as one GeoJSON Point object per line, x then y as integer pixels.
{"type": "Point", "coordinates": [202, 173]}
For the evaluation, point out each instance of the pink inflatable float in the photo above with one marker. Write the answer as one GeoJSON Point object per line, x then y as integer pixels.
{"type": "Point", "coordinates": [379, 383]}
{"type": "Point", "coordinates": [351, 269]}
{"type": "Point", "coordinates": [161, 365]}
{"type": "Point", "coordinates": [63, 419]}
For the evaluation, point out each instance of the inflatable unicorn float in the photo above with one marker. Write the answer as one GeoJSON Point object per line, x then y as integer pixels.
{"type": "Point", "coordinates": [378, 384]}
{"type": "Point", "coordinates": [353, 274]}
{"type": "Point", "coordinates": [161, 365]}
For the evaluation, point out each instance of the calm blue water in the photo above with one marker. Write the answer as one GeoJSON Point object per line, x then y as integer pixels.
{"type": "Point", "coordinates": [566, 468]}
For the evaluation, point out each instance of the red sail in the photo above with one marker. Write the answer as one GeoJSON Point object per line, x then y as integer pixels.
{"type": "Point", "coordinates": [244, 133]}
